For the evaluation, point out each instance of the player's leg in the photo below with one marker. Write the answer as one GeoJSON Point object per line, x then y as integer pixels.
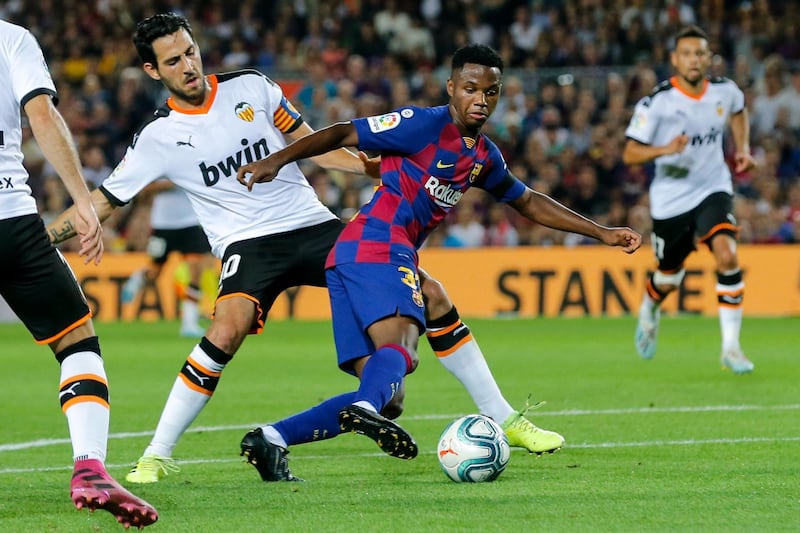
{"type": "Point", "coordinates": [36, 273]}
{"type": "Point", "coordinates": [455, 347]}
{"type": "Point", "coordinates": [190, 301]}
{"type": "Point", "coordinates": [381, 374]}
{"type": "Point", "coordinates": [659, 285]}
{"type": "Point", "coordinates": [384, 301]}
{"type": "Point", "coordinates": [237, 313]}
{"type": "Point", "coordinates": [193, 244]}
{"type": "Point", "coordinates": [266, 447]}
{"type": "Point", "coordinates": [673, 241]}
{"type": "Point", "coordinates": [83, 394]}
{"type": "Point", "coordinates": [714, 226]}
{"type": "Point", "coordinates": [730, 295]}
{"type": "Point", "coordinates": [195, 385]}
{"type": "Point", "coordinates": [157, 251]}
{"type": "Point", "coordinates": [146, 275]}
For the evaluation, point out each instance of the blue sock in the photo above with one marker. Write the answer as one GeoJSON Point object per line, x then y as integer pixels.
{"type": "Point", "coordinates": [382, 376]}
{"type": "Point", "coordinates": [318, 423]}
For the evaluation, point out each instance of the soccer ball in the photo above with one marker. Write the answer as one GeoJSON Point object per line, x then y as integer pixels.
{"type": "Point", "coordinates": [473, 449]}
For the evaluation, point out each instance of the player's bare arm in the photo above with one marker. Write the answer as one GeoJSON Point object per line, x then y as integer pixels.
{"type": "Point", "coordinates": [636, 153]}
{"type": "Point", "coordinates": [64, 227]}
{"type": "Point", "coordinates": [740, 127]}
{"type": "Point", "coordinates": [542, 209]}
{"type": "Point", "coordinates": [55, 141]}
{"type": "Point", "coordinates": [341, 159]}
{"type": "Point", "coordinates": [336, 136]}
{"type": "Point", "coordinates": [372, 165]}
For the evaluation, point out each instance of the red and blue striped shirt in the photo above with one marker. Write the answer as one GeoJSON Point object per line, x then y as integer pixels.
{"type": "Point", "coordinates": [426, 166]}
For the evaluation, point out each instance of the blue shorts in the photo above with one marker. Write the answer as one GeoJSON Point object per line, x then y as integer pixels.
{"type": "Point", "coordinates": [364, 293]}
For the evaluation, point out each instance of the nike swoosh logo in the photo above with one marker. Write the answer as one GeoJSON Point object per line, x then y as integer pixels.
{"type": "Point", "coordinates": [439, 164]}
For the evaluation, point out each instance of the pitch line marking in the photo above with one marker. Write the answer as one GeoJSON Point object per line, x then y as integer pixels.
{"type": "Point", "coordinates": [588, 445]}
{"type": "Point", "coordinates": [568, 412]}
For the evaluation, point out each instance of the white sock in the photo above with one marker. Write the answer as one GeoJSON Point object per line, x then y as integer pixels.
{"type": "Point", "coordinates": [185, 401]}
{"type": "Point", "coordinates": [366, 405]}
{"type": "Point", "coordinates": [730, 321]}
{"type": "Point", "coordinates": [648, 307]}
{"type": "Point", "coordinates": [730, 314]}
{"type": "Point", "coordinates": [84, 400]}
{"type": "Point", "coordinates": [467, 363]}
{"type": "Point", "coordinates": [190, 314]}
{"type": "Point", "coordinates": [272, 435]}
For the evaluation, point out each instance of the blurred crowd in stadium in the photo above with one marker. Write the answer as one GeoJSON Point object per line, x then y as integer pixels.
{"type": "Point", "coordinates": [574, 70]}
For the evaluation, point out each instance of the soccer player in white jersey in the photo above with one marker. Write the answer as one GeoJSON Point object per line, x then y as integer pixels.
{"type": "Point", "coordinates": [174, 228]}
{"type": "Point", "coordinates": [38, 284]}
{"type": "Point", "coordinates": [274, 238]}
{"type": "Point", "coordinates": [680, 126]}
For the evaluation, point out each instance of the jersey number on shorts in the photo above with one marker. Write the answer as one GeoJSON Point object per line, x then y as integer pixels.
{"type": "Point", "coordinates": [658, 246]}
{"type": "Point", "coordinates": [230, 267]}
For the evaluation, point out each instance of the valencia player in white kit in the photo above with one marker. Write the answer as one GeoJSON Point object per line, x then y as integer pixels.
{"type": "Point", "coordinates": [681, 126]}
{"type": "Point", "coordinates": [39, 285]}
{"type": "Point", "coordinates": [174, 229]}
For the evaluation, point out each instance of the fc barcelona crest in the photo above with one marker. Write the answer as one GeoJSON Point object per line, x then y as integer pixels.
{"type": "Point", "coordinates": [475, 172]}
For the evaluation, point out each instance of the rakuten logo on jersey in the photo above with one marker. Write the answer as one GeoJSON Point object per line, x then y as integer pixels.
{"type": "Point", "coordinates": [211, 172]}
{"type": "Point", "coordinates": [443, 195]}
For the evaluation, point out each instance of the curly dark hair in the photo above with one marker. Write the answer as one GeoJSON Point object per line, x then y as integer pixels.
{"type": "Point", "coordinates": [479, 54]}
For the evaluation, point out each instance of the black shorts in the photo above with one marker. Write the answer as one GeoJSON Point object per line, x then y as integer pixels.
{"type": "Point", "coordinates": [37, 282]}
{"type": "Point", "coordinates": [264, 267]}
{"type": "Point", "coordinates": [675, 238]}
{"type": "Point", "coordinates": [186, 241]}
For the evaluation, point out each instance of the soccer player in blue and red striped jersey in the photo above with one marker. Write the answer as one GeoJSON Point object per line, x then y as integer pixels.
{"type": "Point", "coordinates": [429, 158]}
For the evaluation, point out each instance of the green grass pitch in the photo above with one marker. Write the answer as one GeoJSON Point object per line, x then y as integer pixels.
{"type": "Point", "coordinates": [672, 444]}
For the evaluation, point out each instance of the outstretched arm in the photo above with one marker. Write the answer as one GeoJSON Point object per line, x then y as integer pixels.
{"type": "Point", "coordinates": [56, 143]}
{"type": "Point", "coordinates": [338, 135]}
{"type": "Point", "coordinates": [340, 159]}
{"type": "Point", "coordinates": [542, 209]}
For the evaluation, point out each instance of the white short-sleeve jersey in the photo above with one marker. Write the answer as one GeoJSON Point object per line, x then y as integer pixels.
{"type": "Point", "coordinates": [200, 150]}
{"type": "Point", "coordinates": [684, 180]}
{"type": "Point", "coordinates": [24, 74]}
{"type": "Point", "coordinates": [172, 209]}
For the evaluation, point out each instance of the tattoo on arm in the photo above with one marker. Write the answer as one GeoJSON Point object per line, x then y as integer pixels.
{"type": "Point", "coordinates": [67, 230]}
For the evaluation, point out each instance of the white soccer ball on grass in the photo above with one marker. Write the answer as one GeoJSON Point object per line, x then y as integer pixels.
{"type": "Point", "coordinates": [473, 449]}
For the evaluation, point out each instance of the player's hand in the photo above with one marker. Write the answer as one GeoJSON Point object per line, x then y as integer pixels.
{"type": "Point", "coordinates": [372, 166]}
{"type": "Point", "coordinates": [678, 144]}
{"type": "Point", "coordinates": [261, 171]}
{"type": "Point", "coordinates": [628, 239]}
{"type": "Point", "coordinates": [90, 233]}
{"type": "Point", "coordinates": [743, 161]}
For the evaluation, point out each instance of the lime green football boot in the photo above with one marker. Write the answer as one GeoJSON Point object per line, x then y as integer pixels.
{"type": "Point", "coordinates": [151, 468]}
{"type": "Point", "coordinates": [522, 433]}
